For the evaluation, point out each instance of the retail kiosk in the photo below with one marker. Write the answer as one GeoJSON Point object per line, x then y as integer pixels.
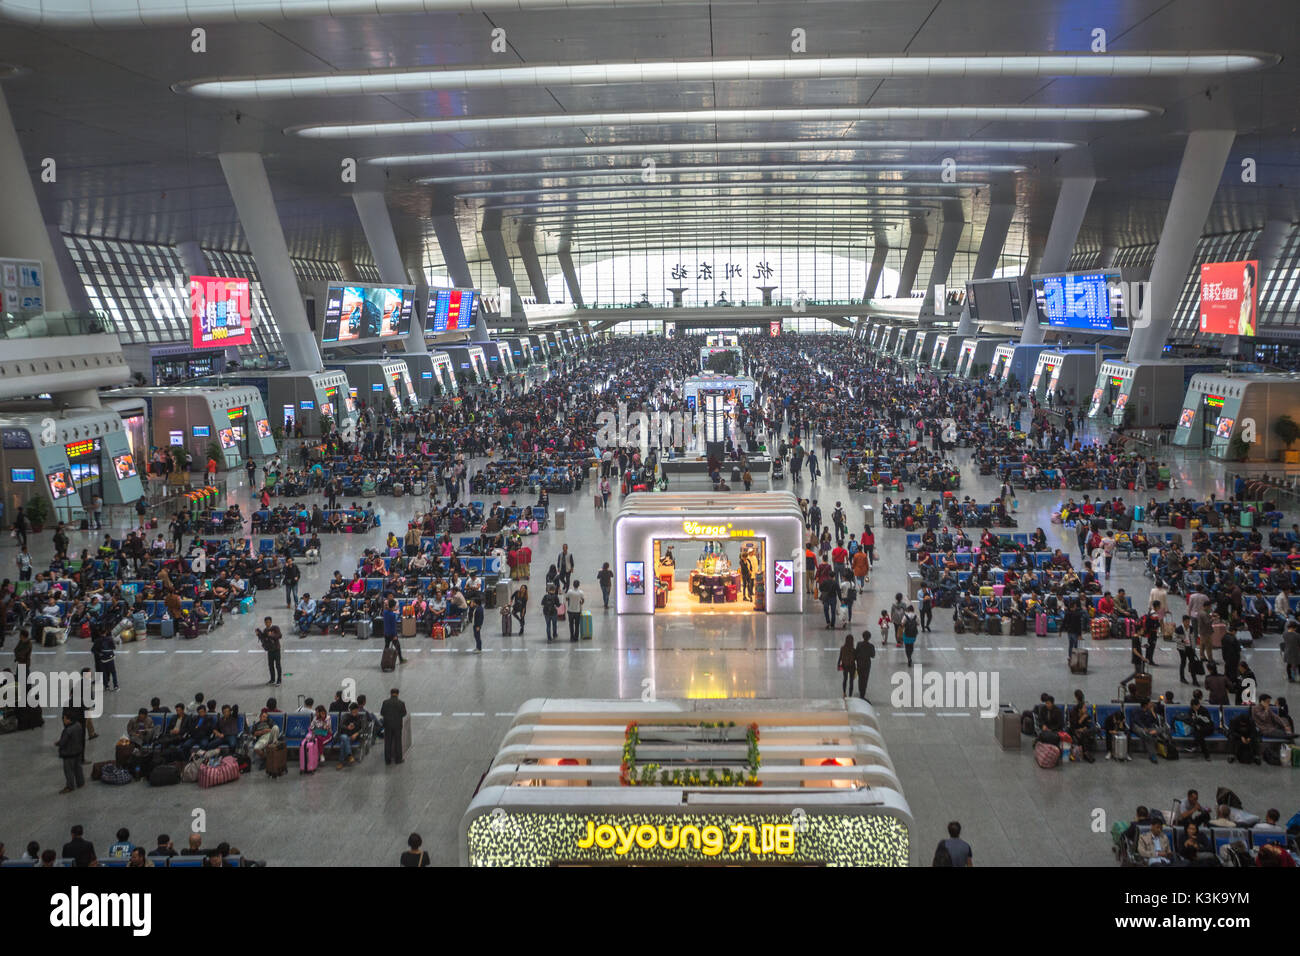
{"type": "Point", "coordinates": [1152, 390]}
{"type": "Point", "coordinates": [233, 418]}
{"type": "Point", "coordinates": [469, 362]}
{"type": "Point", "coordinates": [690, 783]}
{"type": "Point", "coordinates": [1015, 361]}
{"type": "Point", "coordinates": [85, 454]}
{"type": "Point", "coordinates": [1217, 407]}
{"type": "Point", "coordinates": [946, 350]}
{"type": "Point", "coordinates": [923, 346]}
{"type": "Point", "coordinates": [370, 380]}
{"type": "Point", "coordinates": [976, 357]}
{"type": "Point", "coordinates": [681, 552]}
{"type": "Point", "coordinates": [1067, 373]}
{"type": "Point", "coordinates": [735, 389]}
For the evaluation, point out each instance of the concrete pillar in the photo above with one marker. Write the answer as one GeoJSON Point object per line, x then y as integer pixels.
{"type": "Point", "coordinates": [496, 250]}
{"type": "Point", "coordinates": [453, 252]}
{"type": "Point", "coordinates": [246, 177]}
{"type": "Point", "coordinates": [377, 224]}
{"type": "Point", "coordinates": [912, 259]}
{"type": "Point", "coordinates": [954, 223]}
{"type": "Point", "coordinates": [23, 233]}
{"type": "Point", "coordinates": [570, 274]}
{"type": "Point", "coordinates": [1199, 173]}
{"type": "Point", "coordinates": [78, 300]}
{"type": "Point", "coordinates": [1106, 258]}
{"type": "Point", "coordinates": [1271, 240]}
{"type": "Point", "coordinates": [877, 267]}
{"type": "Point", "coordinates": [993, 239]}
{"type": "Point", "coordinates": [1071, 206]}
{"type": "Point", "coordinates": [348, 269]}
{"type": "Point", "coordinates": [532, 265]}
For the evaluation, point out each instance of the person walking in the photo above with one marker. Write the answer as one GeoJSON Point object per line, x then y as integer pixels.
{"type": "Point", "coordinates": [72, 747]}
{"type": "Point", "coordinates": [861, 567]}
{"type": "Point", "coordinates": [911, 626]}
{"type": "Point", "coordinates": [573, 601]}
{"type": "Point", "coordinates": [897, 611]}
{"type": "Point", "coordinates": [847, 664]}
{"type": "Point", "coordinates": [476, 621]}
{"type": "Point", "coordinates": [393, 713]}
{"type": "Point", "coordinates": [863, 655]}
{"type": "Point", "coordinates": [20, 527]}
{"type": "Point", "coordinates": [605, 577]}
{"type": "Point", "coordinates": [97, 512]}
{"type": "Point", "coordinates": [927, 608]}
{"type": "Point", "coordinates": [954, 851]}
{"type": "Point", "coordinates": [564, 565]}
{"type": "Point", "coordinates": [828, 591]}
{"type": "Point", "coordinates": [519, 605]}
{"type": "Point", "coordinates": [105, 656]}
{"type": "Point", "coordinates": [291, 575]}
{"type": "Point", "coordinates": [392, 620]}
{"type": "Point", "coordinates": [1291, 651]}
{"type": "Point", "coordinates": [848, 595]}
{"type": "Point", "coordinates": [269, 636]}
{"type": "Point", "coordinates": [550, 613]}
{"type": "Point", "coordinates": [1072, 625]}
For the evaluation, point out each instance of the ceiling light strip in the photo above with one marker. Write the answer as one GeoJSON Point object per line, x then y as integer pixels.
{"type": "Point", "coordinates": [982, 114]}
{"type": "Point", "coordinates": [979, 66]}
{"type": "Point", "coordinates": [636, 171]}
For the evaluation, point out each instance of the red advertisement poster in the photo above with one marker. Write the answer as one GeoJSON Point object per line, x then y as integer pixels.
{"type": "Point", "coordinates": [220, 312]}
{"type": "Point", "coordinates": [1228, 297]}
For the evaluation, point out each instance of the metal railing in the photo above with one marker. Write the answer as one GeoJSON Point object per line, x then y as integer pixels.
{"type": "Point", "coordinates": [40, 325]}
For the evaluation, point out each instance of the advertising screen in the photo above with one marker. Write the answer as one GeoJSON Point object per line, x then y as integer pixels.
{"type": "Point", "coordinates": [60, 483]}
{"type": "Point", "coordinates": [124, 465]}
{"type": "Point", "coordinates": [354, 312]}
{"type": "Point", "coordinates": [1225, 428]}
{"type": "Point", "coordinates": [634, 577]}
{"type": "Point", "coordinates": [783, 576]}
{"type": "Point", "coordinates": [22, 474]}
{"type": "Point", "coordinates": [449, 310]}
{"type": "Point", "coordinates": [1186, 418]}
{"type": "Point", "coordinates": [220, 312]}
{"type": "Point", "coordinates": [1096, 401]}
{"type": "Point", "coordinates": [202, 431]}
{"type": "Point", "coordinates": [226, 437]}
{"type": "Point", "coordinates": [1121, 402]}
{"type": "Point", "coordinates": [1076, 300]}
{"type": "Point", "coordinates": [263, 428]}
{"type": "Point", "coordinates": [1228, 297]}
{"type": "Point", "coordinates": [774, 328]}
{"type": "Point", "coordinates": [175, 438]}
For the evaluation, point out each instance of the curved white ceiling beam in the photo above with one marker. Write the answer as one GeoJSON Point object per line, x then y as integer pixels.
{"type": "Point", "coordinates": [635, 171]}
{"type": "Point", "coordinates": [644, 187]}
{"type": "Point", "coordinates": [648, 204]}
{"type": "Point", "coordinates": [119, 14]}
{"type": "Point", "coordinates": [851, 114]}
{"type": "Point", "coordinates": [764, 146]}
{"type": "Point", "coordinates": [980, 66]}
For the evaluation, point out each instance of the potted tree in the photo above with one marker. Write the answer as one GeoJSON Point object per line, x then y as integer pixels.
{"type": "Point", "coordinates": [180, 475]}
{"type": "Point", "coordinates": [1287, 429]}
{"type": "Point", "coordinates": [38, 512]}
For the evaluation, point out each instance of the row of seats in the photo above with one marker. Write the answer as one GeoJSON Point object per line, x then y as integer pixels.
{"type": "Point", "coordinates": [171, 863]}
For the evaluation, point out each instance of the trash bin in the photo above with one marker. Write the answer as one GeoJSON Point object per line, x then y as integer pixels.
{"type": "Point", "coordinates": [1006, 727]}
{"type": "Point", "coordinates": [559, 519]}
{"type": "Point", "coordinates": [868, 516]}
{"type": "Point", "coordinates": [913, 584]}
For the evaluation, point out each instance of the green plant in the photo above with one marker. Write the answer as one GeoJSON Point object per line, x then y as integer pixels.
{"type": "Point", "coordinates": [326, 425]}
{"type": "Point", "coordinates": [214, 452]}
{"type": "Point", "coordinates": [38, 510]}
{"type": "Point", "coordinates": [178, 457]}
{"type": "Point", "coordinates": [1238, 449]}
{"type": "Point", "coordinates": [1287, 429]}
{"type": "Point", "coordinates": [277, 432]}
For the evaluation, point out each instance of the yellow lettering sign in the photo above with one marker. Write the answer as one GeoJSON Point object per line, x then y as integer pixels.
{"type": "Point", "coordinates": [694, 528]}
{"type": "Point", "coordinates": [710, 840]}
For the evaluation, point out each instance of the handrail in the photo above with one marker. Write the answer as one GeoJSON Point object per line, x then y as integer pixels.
{"type": "Point", "coordinates": [39, 325]}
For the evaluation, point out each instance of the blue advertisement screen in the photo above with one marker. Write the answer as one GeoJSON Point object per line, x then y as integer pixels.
{"type": "Point", "coordinates": [1076, 301]}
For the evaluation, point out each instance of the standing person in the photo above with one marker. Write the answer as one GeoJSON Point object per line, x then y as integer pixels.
{"type": "Point", "coordinates": [863, 655]}
{"type": "Point", "coordinates": [291, 575]}
{"type": "Point", "coordinates": [1082, 531]}
{"type": "Point", "coordinates": [1150, 626]}
{"type": "Point", "coordinates": [391, 622]}
{"type": "Point", "coordinates": [954, 851]}
{"type": "Point", "coordinates": [269, 636]}
{"type": "Point", "coordinates": [72, 747]}
{"type": "Point", "coordinates": [550, 613]}
{"type": "Point", "coordinates": [848, 595]}
{"type": "Point", "coordinates": [897, 611]}
{"type": "Point", "coordinates": [1291, 651]}
{"type": "Point", "coordinates": [476, 619]}
{"type": "Point", "coordinates": [573, 601]}
{"type": "Point", "coordinates": [862, 566]}
{"type": "Point", "coordinates": [20, 527]}
{"type": "Point", "coordinates": [97, 512]}
{"type": "Point", "coordinates": [211, 471]}
{"type": "Point", "coordinates": [105, 657]}
{"type": "Point", "coordinates": [24, 561]}
{"type": "Point", "coordinates": [604, 491]}
{"type": "Point", "coordinates": [828, 591]}
{"type": "Point", "coordinates": [1187, 659]}
{"type": "Point", "coordinates": [564, 565]}
{"type": "Point", "coordinates": [519, 606]}
{"type": "Point", "coordinates": [1072, 625]}
{"type": "Point", "coordinates": [251, 467]}
{"type": "Point", "coordinates": [414, 856]}
{"type": "Point", "coordinates": [910, 628]}
{"type": "Point", "coordinates": [927, 608]}
{"type": "Point", "coordinates": [605, 577]}
{"type": "Point", "coordinates": [846, 664]}
{"type": "Point", "coordinates": [393, 713]}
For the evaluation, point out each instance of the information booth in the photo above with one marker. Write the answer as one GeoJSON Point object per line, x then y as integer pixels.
{"type": "Point", "coordinates": [195, 418]}
{"type": "Point", "coordinates": [1152, 390]}
{"type": "Point", "coordinates": [296, 399]}
{"type": "Point", "coordinates": [923, 346]}
{"type": "Point", "coordinates": [469, 362]}
{"type": "Point", "coordinates": [376, 379]}
{"type": "Point", "coordinates": [540, 346]}
{"type": "Point", "coordinates": [903, 343]}
{"type": "Point", "coordinates": [690, 783]}
{"type": "Point", "coordinates": [976, 357]}
{"type": "Point", "coordinates": [682, 552]}
{"type": "Point", "coordinates": [947, 348]}
{"type": "Point", "coordinates": [1217, 408]}
{"type": "Point", "coordinates": [723, 359]}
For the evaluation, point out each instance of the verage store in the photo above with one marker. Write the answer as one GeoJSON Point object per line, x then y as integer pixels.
{"type": "Point", "coordinates": [692, 552]}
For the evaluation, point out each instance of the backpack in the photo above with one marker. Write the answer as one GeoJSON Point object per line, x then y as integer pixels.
{"type": "Point", "coordinates": [909, 627]}
{"type": "Point", "coordinates": [941, 855]}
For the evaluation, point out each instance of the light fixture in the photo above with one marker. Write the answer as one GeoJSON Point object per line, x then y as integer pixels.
{"type": "Point", "coordinates": [636, 171]}
{"type": "Point", "coordinates": [757, 146]}
{"type": "Point", "coordinates": [690, 187]}
{"type": "Point", "coordinates": [397, 81]}
{"type": "Point", "coordinates": [850, 114]}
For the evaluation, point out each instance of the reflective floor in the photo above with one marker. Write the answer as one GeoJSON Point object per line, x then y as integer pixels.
{"type": "Point", "coordinates": [950, 765]}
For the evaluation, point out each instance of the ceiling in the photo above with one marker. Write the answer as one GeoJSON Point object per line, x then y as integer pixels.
{"type": "Point", "coordinates": [136, 150]}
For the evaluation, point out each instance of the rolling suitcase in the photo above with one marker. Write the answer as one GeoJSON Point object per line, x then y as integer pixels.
{"type": "Point", "coordinates": [1119, 744]}
{"type": "Point", "coordinates": [1142, 687]}
{"type": "Point", "coordinates": [584, 626]}
{"type": "Point", "coordinates": [1006, 727]}
{"type": "Point", "coordinates": [308, 756]}
{"type": "Point", "coordinates": [1079, 661]}
{"type": "Point", "coordinates": [388, 662]}
{"type": "Point", "coordinates": [507, 622]}
{"type": "Point", "coordinates": [363, 628]}
{"type": "Point", "coordinates": [408, 627]}
{"type": "Point", "coordinates": [1040, 624]}
{"type": "Point", "coordinates": [276, 756]}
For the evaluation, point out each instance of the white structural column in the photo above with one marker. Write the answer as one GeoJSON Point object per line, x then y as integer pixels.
{"type": "Point", "coordinates": [453, 251]}
{"type": "Point", "coordinates": [23, 233]}
{"type": "Point", "coordinates": [1271, 240]}
{"type": "Point", "coordinates": [877, 267]}
{"type": "Point", "coordinates": [1198, 180]}
{"type": "Point", "coordinates": [1071, 206]}
{"type": "Point", "coordinates": [532, 265]}
{"type": "Point", "coordinates": [249, 187]}
{"type": "Point", "coordinates": [377, 224]}
{"type": "Point", "coordinates": [565, 255]}
{"type": "Point", "coordinates": [992, 241]}
{"type": "Point", "coordinates": [954, 223]}
{"type": "Point", "coordinates": [912, 258]}
{"type": "Point", "coordinates": [78, 301]}
{"type": "Point", "coordinates": [495, 244]}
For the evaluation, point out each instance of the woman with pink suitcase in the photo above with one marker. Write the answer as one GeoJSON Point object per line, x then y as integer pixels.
{"type": "Point", "coordinates": [313, 745]}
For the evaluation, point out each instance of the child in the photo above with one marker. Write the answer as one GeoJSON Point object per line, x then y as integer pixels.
{"type": "Point", "coordinates": [885, 623]}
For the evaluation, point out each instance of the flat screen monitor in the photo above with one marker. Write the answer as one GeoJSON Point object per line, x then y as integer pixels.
{"type": "Point", "coordinates": [634, 577]}
{"type": "Point", "coordinates": [354, 313]}
{"type": "Point", "coordinates": [60, 483]}
{"type": "Point", "coordinates": [124, 466]}
{"type": "Point", "coordinates": [449, 310]}
{"type": "Point", "coordinates": [226, 437]}
{"type": "Point", "coordinates": [994, 300]}
{"type": "Point", "coordinates": [263, 428]}
{"type": "Point", "coordinates": [1077, 300]}
{"type": "Point", "coordinates": [1224, 430]}
{"type": "Point", "coordinates": [783, 576]}
{"type": "Point", "coordinates": [202, 431]}
{"type": "Point", "coordinates": [22, 475]}
{"type": "Point", "coordinates": [220, 312]}
{"type": "Point", "coordinates": [1228, 297]}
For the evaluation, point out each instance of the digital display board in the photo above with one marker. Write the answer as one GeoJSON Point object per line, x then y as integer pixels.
{"type": "Point", "coordinates": [227, 438]}
{"type": "Point", "coordinates": [357, 312]}
{"type": "Point", "coordinates": [1225, 428]}
{"type": "Point", "coordinates": [15, 438]}
{"type": "Point", "coordinates": [449, 310]}
{"type": "Point", "coordinates": [60, 483]}
{"type": "Point", "coordinates": [263, 428]}
{"type": "Point", "coordinates": [1186, 418]}
{"type": "Point", "coordinates": [220, 312]}
{"type": "Point", "coordinates": [79, 449]}
{"type": "Point", "coordinates": [1228, 297]}
{"type": "Point", "coordinates": [124, 466]}
{"type": "Point", "coordinates": [202, 431]}
{"type": "Point", "coordinates": [783, 576]}
{"type": "Point", "coordinates": [24, 475]}
{"type": "Point", "coordinates": [634, 577]}
{"type": "Point", "coordinates": [1076, 300]}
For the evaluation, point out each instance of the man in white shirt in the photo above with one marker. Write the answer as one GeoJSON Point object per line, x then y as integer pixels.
{"type": "Point", "coordinates": [1271, 824]}
{"type": "Point", "coordinates": [1108, 552]}
{"type": "Point", "coordinates": [304, 614]}
{"type": "Point", "coordinates": [573, 601]}
{"type": "Point", "coordinates": [1158, 593]}
{"type": "Point", "coordinates": [1282, 604]}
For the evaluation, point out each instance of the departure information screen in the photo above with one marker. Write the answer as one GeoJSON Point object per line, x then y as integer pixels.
{"type": "Point", "coordinates": [449, 310]}
{"type": "Point", "coordinates": [1076, 300]}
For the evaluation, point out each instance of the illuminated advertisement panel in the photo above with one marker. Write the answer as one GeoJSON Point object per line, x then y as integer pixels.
{"type": "Point", "coordinates": [220, 312]}
{"type": "Point", "coordinates": [1228, 298]}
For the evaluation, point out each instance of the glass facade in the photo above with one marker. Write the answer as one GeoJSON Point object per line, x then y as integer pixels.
{"type": "Point", "coordinates": [140, 285]}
